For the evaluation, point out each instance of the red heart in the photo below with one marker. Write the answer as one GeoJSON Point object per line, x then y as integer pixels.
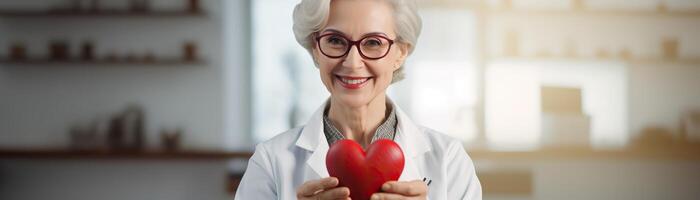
{"type": "Point", "coordinates": [364, 173]}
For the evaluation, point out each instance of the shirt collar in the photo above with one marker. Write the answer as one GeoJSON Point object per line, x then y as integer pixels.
{"type": "Point", "coordinates": [387, 130]}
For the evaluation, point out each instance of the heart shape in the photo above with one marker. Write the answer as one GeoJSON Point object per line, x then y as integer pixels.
{"type": "Point", "coordinates": [364, 173]}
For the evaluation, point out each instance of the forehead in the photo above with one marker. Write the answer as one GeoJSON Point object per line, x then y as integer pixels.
{"type": "Point", "coordinates": [355, 18]}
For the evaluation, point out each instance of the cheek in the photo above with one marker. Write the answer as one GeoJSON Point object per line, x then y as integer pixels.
{"type": "Point", "coordinates": [326, 68]}
{"type": "Point", "coordinates": [323, 63]}
{"type": "Point", "coordinates": [326, 71]}
{"type": "Point", "coordinates": [388, 66]}
{"type": "Point", "coordinates": [385, 72]}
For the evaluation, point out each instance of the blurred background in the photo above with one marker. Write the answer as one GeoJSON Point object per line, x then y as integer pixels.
{"type": "Point", "coordinates": [165, 99]}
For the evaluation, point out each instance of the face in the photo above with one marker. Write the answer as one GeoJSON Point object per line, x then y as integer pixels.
{"type": "Point", "coordinates": [353, 79]}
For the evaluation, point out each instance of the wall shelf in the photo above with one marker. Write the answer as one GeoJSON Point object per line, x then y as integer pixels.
{"type": "Point", "coordinates": [592, 12]}
{"type": "Point", "coordinates": [106, 154]}
{"type": "Point", "coordinates": [637, 60]}
{"type": "Point", "coordinates": [665, 153]}
{"type": "Point", "coordinates": [75, 62]}
{"type": "Point", "coordinates": [99, 14]}
{"type": "Point", "coordinates": [680, 152]}
{"type": "Point", "coordinates": [505, 10]}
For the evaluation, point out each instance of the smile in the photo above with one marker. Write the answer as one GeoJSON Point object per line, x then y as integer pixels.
{"type": "Point", "coordinates": [352, 82]}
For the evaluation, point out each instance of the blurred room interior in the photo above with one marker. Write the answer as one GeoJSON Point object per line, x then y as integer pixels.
{"type": "Point", "coordinates": [165, 99]}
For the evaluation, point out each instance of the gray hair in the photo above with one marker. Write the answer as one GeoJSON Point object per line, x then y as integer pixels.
{"type": "Point", "coordinates": [310, 16]}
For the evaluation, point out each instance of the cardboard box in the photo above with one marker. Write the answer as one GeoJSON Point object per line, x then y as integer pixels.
{"type": "Point", "coordinates": [565, 129]}
{"type": "Point", "coordinates": [561, 100]}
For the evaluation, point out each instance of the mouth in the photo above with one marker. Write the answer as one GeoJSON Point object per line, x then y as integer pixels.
{"type": "Point", "coordinates": [350, 82]}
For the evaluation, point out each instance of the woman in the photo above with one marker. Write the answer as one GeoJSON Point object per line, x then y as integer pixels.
{"type": "Point", "coordinates": [359, 47]}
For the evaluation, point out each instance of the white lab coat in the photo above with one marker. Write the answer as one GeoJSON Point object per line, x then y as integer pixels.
{"type": "Point", "coordinates": [280, 165]}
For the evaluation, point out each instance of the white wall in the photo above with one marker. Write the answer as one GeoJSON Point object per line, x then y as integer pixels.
{"type": "Point", "coordinates": [38, 104]}
{"type": "Point", "coordinates": [513, 108]}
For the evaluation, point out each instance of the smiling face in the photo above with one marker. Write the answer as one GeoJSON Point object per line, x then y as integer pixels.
{"type": "Point", "coordinates": [355, 80]}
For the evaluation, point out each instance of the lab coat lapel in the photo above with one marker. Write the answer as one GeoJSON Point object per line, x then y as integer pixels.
{"type": "Point", "coordinates": [317, 161]}
{"type": "Point", "coordinates": [313, 140]}
{"type": "Point", "coordinates": [413, 143]}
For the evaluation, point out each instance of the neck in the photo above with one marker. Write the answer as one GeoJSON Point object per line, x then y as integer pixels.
{"type": "Point", "coordinates": [358, 123]}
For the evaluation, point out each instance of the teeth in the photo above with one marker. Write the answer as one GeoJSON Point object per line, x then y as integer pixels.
{"type": "Point", "coordinates": [353, 81]}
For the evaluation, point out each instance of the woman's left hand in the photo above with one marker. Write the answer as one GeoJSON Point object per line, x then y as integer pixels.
{"type": "Point", "coordinates": [402, 190]}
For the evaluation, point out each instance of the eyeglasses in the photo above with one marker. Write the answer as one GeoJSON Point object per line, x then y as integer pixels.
{"type": "Point", "coordinates": [371, 47]}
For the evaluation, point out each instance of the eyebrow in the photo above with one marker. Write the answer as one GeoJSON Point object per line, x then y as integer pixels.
{"type": "Point", "coordinates": [363, 35]}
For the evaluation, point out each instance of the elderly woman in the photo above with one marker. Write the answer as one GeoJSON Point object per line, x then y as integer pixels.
{"type": "Point", "coordinates": [359, 47]}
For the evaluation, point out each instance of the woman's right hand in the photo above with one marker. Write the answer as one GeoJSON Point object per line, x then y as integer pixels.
{"type": "Point", "coordinates": [321, 189]}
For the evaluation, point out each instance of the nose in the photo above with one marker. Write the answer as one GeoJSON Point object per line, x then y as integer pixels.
{"type": "Point", "coordinates": [353, 59]}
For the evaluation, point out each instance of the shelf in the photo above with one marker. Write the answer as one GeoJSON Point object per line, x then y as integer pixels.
{"type": "Point", "coordinates": [660, 153]}
{"type": "Point", "coordinates": [98, 14]}
{"type": "Point", "coordinates": [683, 61]}
{"type": "Point", "coordinates": [591, 12]}
{"type": "Point", "coordinates": [555, 58]}
{"type": "Point", "coordinates": [683, 153]}
{"type": "Point", "coordinates": [641, 60]}
{"type": "Point", "coordinates": [105, 154]}
{"type": "Point", "coordinates": [46, 62]}
{"type": "Point", "coordinates": [502, 10]}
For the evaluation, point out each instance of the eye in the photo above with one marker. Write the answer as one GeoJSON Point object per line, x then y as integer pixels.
{"type": "Point", "coordinates": [372, 42]}
{"type": "Point", "coordinates": [336, 40]}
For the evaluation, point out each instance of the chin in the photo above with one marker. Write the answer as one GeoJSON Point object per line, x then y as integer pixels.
{"type": "Point", "coordinates": [352, 100]}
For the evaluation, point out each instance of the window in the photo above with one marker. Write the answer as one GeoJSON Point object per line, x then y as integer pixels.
{"type": "Point", "coordinates": [286, 85]}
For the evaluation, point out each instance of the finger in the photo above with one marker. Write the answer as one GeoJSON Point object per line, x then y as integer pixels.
{"type": "Point", "coordinates": [387, 196]}
{"type": "Point", "coordinates": [335, 193]}
{"type": "Point", "coordinates": [310, 188]}
{"type": "Point", "coordinates": [411, 188]}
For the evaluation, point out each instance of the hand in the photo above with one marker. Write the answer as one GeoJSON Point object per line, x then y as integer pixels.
{"type": "Point", "coordinates": [402, 190]}
{"type": "Point", "coordinates": [320, 189]}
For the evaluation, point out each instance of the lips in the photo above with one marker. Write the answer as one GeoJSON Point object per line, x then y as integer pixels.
{"type": "Point", "coordinates": [350, 82]}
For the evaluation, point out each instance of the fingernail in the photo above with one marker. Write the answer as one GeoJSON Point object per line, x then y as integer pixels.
{"type": "Point", "coordinates": [386, 187]}
{"type": "Point", "coordinates": [375, 197]}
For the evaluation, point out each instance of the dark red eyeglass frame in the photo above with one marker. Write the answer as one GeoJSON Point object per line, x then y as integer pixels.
{"type": "Point", "coordinates": [354, 43]}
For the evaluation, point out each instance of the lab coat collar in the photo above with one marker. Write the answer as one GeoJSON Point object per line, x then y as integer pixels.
{"type": "Point", "coordinates": [312, 137]}
{"type": "Point", "coordinates": [410, 138]}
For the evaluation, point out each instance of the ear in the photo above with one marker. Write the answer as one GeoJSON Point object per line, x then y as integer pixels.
{"type": "Point", "coordinates": [403, 53]}
{"type": "Point", "coordinates": [315, 53]}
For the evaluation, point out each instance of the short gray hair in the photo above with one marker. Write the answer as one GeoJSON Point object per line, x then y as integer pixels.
{"type": "Point", "coordinates": [310, 16]}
